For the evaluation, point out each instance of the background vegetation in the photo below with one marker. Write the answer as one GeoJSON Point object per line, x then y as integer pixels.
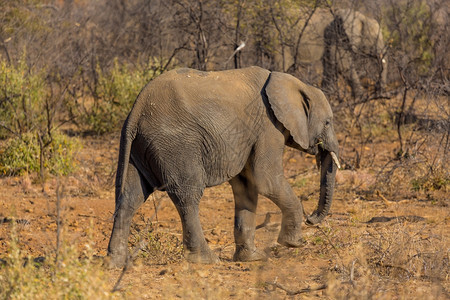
{"type": "Point", "coordinates": [71, 69]}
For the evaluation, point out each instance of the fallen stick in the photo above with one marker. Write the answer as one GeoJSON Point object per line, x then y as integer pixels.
{"type": "Point", "coordinates": [293, 292]}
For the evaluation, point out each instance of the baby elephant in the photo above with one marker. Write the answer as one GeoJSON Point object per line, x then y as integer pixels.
{"type": "Point", "coordinates": [189, 130]}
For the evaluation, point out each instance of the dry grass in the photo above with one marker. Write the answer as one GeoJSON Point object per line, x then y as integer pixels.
{"type": "Point", "coordinates": [68, 274]}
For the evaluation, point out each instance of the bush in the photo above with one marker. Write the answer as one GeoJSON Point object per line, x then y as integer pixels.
{"type": "Point", "coordinates": [409, 29]}
{"type": "Point", "coordinates": [29, 110]}
{"type": "Point", "coordinates": [433, 182]}
{"type": "Point", "coordinates": [114, 95]}
{"type": "Point", "coordinates": [22, 155]}
{"type": "Point", "coordinates": [22, 95]}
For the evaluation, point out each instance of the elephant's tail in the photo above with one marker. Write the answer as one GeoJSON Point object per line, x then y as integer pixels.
{"type": "Point", "coordinates": [127, 136]}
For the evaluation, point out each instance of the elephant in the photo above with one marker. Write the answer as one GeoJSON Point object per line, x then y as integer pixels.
{"type": "Point", "coordinates": [345, 42]}
{"type": "Point", "coordinates": [189, 130]}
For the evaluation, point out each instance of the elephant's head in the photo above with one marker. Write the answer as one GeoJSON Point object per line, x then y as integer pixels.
{"type": "Point", "coordinates": [306, 114]}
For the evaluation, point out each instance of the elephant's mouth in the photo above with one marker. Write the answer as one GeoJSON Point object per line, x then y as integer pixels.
{"type": "Point", "coordinates": [314, 150]}
{"type": "Point", "coordinates": [333, 156]}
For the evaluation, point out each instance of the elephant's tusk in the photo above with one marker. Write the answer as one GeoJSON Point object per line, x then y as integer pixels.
{"type": "Point", "coordinates": [335, 159]}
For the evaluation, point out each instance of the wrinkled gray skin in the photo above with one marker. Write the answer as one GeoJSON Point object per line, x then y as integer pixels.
{"type": "Point", "coordinates": [189, 130]}
{"type": "Point", "coordinates": [336, 40]}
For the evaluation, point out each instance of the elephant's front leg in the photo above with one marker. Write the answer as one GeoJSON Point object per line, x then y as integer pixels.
{"type": "Point", "coordinates": [246, 199]}
{"type": "Point", "coordinates": [292, 212]}
{"type": "Point", "coordinates": [271, 183]}
{"type": "Point", "coordinates": [196, 249]}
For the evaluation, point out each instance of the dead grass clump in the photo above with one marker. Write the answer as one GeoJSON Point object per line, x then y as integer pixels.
{"type": "Point", "coordinates": [156, 247]}
{"type": "Point", "coordinates": [63, 277]}
{"type": "Point", "coordinates": [416, 176]}
{"type": "Point", "coordinates": [397, 260]}
{"type": "Point", "coordinates": [401, 253]}
{"type": "Point", "coordinates": [391, 269]}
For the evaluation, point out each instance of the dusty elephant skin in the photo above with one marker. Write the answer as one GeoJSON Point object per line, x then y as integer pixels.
{"type": "Point", "coordinates": [189, 130]}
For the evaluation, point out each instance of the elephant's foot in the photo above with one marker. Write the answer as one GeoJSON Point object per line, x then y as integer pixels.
{"type": "Point", "coordinates": [291, 240]}
{"type": "Point", "coordinates": [245, 254]}
{"type": "Point", "coordinates": [291, 243]}
{"type": "Point", "coordinates": [291, 233]}
{"type": "Point", "coordinates": [201, 257]}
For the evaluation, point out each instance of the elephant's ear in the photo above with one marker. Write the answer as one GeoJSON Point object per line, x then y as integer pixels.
{"type": "Point", "coordinates": [290, 105]}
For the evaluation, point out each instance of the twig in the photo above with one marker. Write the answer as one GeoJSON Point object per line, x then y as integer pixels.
{"type": "Point", "coordinates": [352, 272]}
{"type": "Point", "coordinates": [386, 201]}
{"type": "Point", "coordinates": [17, 221]}
{"type": "Point", "coordinates": [296, 292]}
{"type": "Point", "coordinates": [58, 222]}
{"type": "Point", "coordinates": [364, 100]}
{"type": "Point", "coordinates": [2, 124]}
{"type": "Point", "coordinates": [117, 287]}
{"type": "Point", "coordinates": [332, 245]}
{"type": "Point", "coordinates": [266, 221]}
{"type": "Point", "coordinates": [174, 52]}
{"type": "Point", "coordinates": [87, 216]}
{"type": "Point", "coordinates": [155, 214]}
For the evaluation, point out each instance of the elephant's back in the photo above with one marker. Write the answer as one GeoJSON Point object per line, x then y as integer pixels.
{"type": "Point", "coordinates": [194, 92]}
{"type": "Point", "coordinates": [206, 82]}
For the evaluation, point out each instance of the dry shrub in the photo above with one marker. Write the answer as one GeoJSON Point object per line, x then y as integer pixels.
{"type": "Point", "coordinates": [396, 146]}
{"type": "Point", "coordinates": [390, 261]}
{"type": "Point", "coordinates": [422, 171]}
{"type": "Point", "coordinates": [66, 277]}
{"type": "Point", "coordinates": [401, 253]}
{"type": "Point", "coordinates": [156, 247]}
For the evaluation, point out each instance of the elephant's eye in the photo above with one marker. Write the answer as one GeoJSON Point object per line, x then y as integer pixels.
{"type": "Point", "coordinates": [327, 123]}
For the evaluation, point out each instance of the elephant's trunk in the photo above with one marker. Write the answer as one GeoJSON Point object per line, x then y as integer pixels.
{"type": "Point", "coordinates": [327, 177]}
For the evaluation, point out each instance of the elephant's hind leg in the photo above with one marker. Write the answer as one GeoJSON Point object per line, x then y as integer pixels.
{"type": "Point", "coordinates": [196, 249]}
{"type": "Point", "coordinates": [246, 200]}
{"type": "Point", "coordinates": [135, 192]}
